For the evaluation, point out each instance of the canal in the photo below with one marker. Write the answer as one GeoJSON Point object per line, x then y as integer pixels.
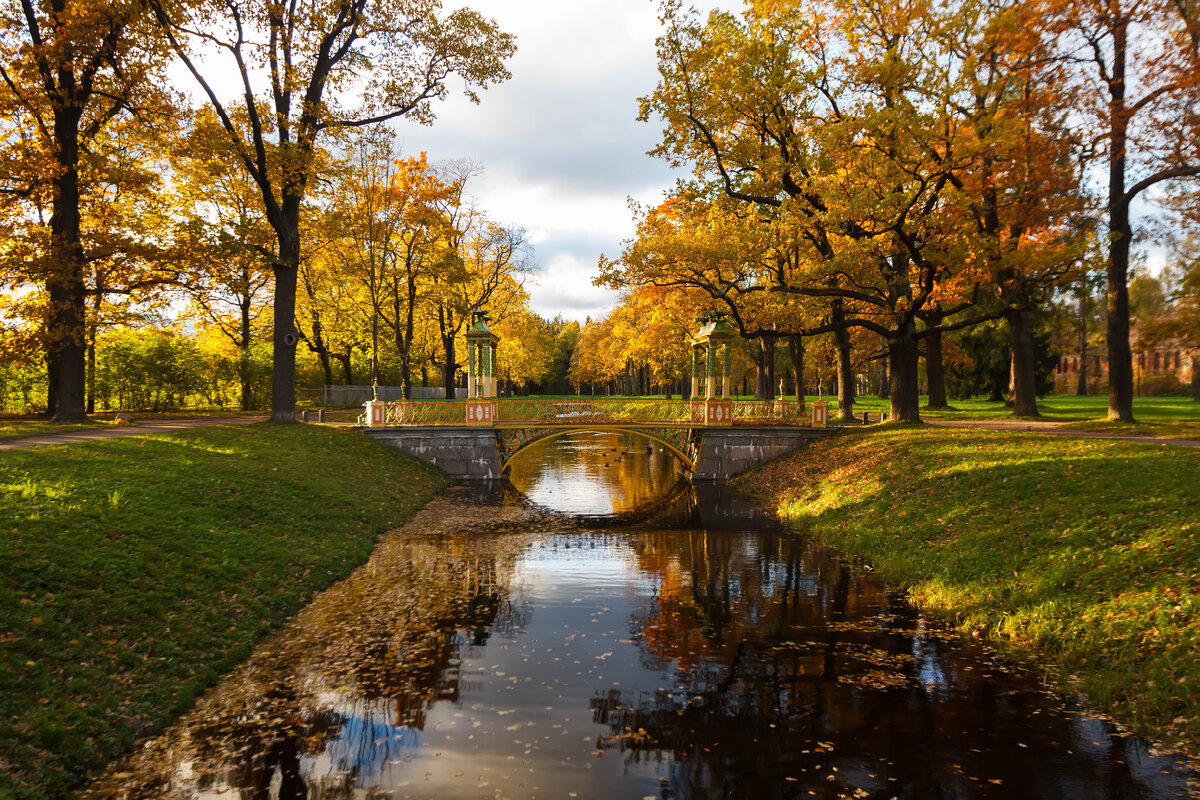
{"type": "Point", "coordinates": [598, 628]}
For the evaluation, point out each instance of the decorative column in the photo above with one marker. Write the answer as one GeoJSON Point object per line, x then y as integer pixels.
{"type": "Point", "coordinates": [471, 368]}
{"type": "Point", "coordinates": [481, 366]}
{"type": "Point", "coordinates": [491, 369]}
{"type": "Point", "coordinates": [710, 388]}
{"type": "Point", "coordinates": [726, 382]}
{"type": "Point", "coordinates": [695, 372]}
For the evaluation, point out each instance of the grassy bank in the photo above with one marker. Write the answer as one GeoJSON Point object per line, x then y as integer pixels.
{"type": "Point", "coordinates": [137, 570]}
{"type": "Point", "coordinates": [1172, 417]}
{"type": "Point", "coordinates": [1081, 554]}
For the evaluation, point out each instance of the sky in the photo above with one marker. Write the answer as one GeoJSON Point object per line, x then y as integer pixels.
{"type": "Point", "coordinates": [559, 142]}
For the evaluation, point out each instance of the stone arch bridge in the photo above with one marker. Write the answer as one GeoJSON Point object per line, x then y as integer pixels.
{"type": "Point", "coordinates": [712, 438]}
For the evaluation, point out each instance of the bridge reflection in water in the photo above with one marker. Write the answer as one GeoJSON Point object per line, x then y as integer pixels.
{"type": "Point", "coordinates": [496, 651]}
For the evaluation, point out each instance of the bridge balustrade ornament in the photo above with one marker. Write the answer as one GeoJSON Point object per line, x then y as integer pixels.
{"type": "Point", "coordinates": [587, 411]}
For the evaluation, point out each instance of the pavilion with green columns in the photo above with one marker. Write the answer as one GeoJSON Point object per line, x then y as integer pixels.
{"type": "Point", "coordinates": [711, 358]}
{"type": "Point", "coordinates": [481, 358]}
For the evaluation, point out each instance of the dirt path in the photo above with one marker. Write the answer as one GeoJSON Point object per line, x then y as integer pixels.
{"type": "Point", "coordinates": [141, 428]}
{"type": "Point", "coordinates": [1055, 429]}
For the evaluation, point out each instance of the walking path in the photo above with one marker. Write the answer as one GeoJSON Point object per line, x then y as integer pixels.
{"type": "Point", "coordinates": [140, 428]}
{"type": "Point", "coordinates": [1055, 429]}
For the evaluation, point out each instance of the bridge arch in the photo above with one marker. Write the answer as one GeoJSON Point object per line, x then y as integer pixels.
{"type": "Point", "coordinates": [680, 442]}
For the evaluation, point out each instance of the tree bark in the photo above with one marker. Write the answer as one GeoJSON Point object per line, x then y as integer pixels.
{"type": "Point", "coordinates": [796, 351]}
{"type": "Point", "coordinates": [448, 367]}
{"type": "Point", "coordinates": [935, 371]}
{"type": "Point", "coordinates": [347, 367]}
{"type": "Point", "coordinates": [764, 362]}
{"type": "Point", "coordinates": [65, 323]}
{"type": "Point", "coordinates": [1196, 377]}
{"type": "Point", "coordinates": [1024, 371]}
{"type": "Point", "coordinates": [885, 383]}
{"type": "Point", "coordinates": [1120, 356]}
{"type": "Point", "coordinates": [287, 271]}
{"type": "Point", "coordinates": [1081, 387]}
{"type": "Point", "coordinates": [245, 332]}
{"type": "Point", "coordinates": [904, 367]}
{"type": "Point", "coordinates": [844, 366]}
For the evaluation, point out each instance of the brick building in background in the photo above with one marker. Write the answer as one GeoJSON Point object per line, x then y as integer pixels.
{"type": "Point", "coordinates": [1160, 366]}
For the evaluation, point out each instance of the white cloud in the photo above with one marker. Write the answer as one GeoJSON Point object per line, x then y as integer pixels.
{"type": "Point", "coordinates": [560, 141]}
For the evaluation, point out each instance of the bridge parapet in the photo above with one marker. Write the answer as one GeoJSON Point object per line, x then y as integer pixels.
{"type": "Point", "coordinates": [594, 411]}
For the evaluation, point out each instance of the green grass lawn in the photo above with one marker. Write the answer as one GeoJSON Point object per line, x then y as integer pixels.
{"type": "Point", "coordinates": [1081, 554]}
{"type": "Point", "coordinates": [1170, 417]}
{"type": "Point", "coordinates": [136, 570]}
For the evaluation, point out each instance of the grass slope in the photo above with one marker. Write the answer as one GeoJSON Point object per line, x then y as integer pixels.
{"type": "Point", "coordinates": [134, 571]}
{"type": "Point", "coordinates": [1171, 417]}
{"type": "Point", "coordinates": [1080, 553]}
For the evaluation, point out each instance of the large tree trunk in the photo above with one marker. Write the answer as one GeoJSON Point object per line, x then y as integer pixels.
{"type": "Point", "coordinates": [409, 325]}
{"type": "Point", "coordinates": [287, 270]}
{"type": "Point", "coordinates": [885, 383]}
{"type": "Point", "coordinates": [905, 362]}
{"type": "Point", "coordinates": [245, 333]}
{"type": "Point", "coordinates": [1024, 372]}
{"type": "Point", "coordinates": [764, 362]}
{"type": "Point", "coordinates": [1081, 387]}
{"type": "Point", "coordinates": [796, 351]}
{"type": "Point", "coordinates": [347, 366]}
{"type": "Point", "coordinates": [844, 367]}
{"type": "Point", "coordinates": [1196, 377]}
{"type": "Point", "coordinates": [91, 369]}
{"type": "Point", "coordinates": [1120, 356]}
{"type": "Point", "coordinates": [935, 371]}
{"type": "Point", "coordinates": [65, 323]}
{"type": "Point", "coordinates": [448, 366]}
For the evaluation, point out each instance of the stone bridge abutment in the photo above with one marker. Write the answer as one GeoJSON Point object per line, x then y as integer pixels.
{"type": "Point", "coordinates": [709, 453]}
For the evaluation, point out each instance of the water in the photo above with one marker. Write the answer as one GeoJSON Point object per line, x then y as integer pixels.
{"type": "Point", "coordinates": [646, 642]}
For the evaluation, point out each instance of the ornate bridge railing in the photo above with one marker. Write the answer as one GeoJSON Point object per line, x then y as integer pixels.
{"type": "Point", "coordinates": [593, 411]}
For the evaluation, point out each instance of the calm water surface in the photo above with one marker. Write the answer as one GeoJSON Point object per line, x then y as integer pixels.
{"type": "Point", "coordinates": [646, 642]}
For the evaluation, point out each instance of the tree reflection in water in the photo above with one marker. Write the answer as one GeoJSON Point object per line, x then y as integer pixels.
{"type": "Point", "coordinates": [494, 650]}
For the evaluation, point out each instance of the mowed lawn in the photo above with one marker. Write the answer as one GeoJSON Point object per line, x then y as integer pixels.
{"type": "Point", "coordinates": [135, 571]}
{"type": "Point", "coordinates": [1081, 554]}
{"type": "Point", "coordinates": [1173, 417]}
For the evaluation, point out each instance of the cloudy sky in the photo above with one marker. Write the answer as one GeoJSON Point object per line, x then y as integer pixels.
{"type": "Point", "coordinates": [560, 141]}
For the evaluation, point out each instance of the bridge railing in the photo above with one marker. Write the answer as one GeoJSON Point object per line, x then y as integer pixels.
{"type": "Point", "coordinates": [594, 411]}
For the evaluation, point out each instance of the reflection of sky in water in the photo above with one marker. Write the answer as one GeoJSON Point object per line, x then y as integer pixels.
{"type": "Point", "coordinates": [538, 698]}
{"type": "Point", "coordinates": [594, 473]}
{"type": "Point", "coordinates": [522, 722]}
{"type": "Point", "coordinates": [733, 661]}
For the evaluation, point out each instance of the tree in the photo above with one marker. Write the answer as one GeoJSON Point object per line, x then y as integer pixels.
{"type": "Point", "coordinates": [392, 233]}
{"type": "Point", "coordinates": [70, 70]}
{"type": "Point", "coordinates": [329, 66]}
{"type": "Point", "coordinates": [1139, 58]}
{"type": "Point", "coordinates": [852, 124]}
{"type": "Point", "coordinates": [482, 263]}
{"type": "Point", "coordinates": [1018, 185]}
{"type": "Point", "coordinates": [328, 319]}
{"type": "Point", "coordinates": [228, 245]}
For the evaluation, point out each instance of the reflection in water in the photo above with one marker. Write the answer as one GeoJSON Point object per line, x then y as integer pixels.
{"type": "Point", "coordinates": [705, 654]}
{"type": "Point", "coordinates": [597, 474]}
